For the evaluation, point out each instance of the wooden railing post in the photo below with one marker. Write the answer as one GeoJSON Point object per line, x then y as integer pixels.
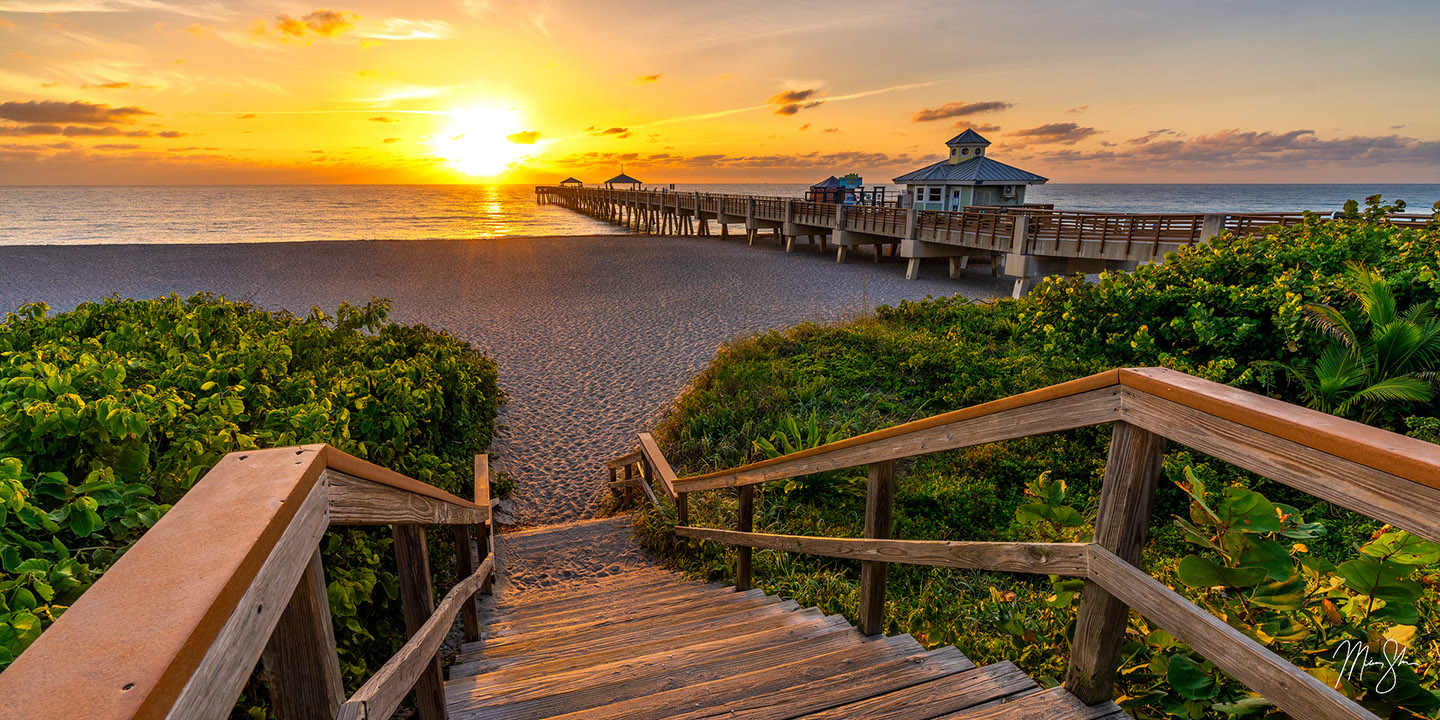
{"type": "Point", "coordinates": [746, 524]}
{"type": "Point", "coordinates": [879, 500]}
{"type": "Point", "coordinates": [417, 600]}
{"type": "Point", "coordinates": [486, 531]}
{"type": "Point", "coordinates": [682, 509]}
{"type": "Point", "coordinates": [1131, 471]}
{"type": "Point", "coordinates": [301, 666]}
{"type": "Point", "coordinates": [468, 564]}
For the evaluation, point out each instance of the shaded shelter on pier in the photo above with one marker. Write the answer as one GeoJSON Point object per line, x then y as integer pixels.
{"type": "Point", "coordinates": [622, 179]}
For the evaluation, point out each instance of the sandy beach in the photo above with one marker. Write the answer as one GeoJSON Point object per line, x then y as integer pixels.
{"type": "Point", "coordinates": [594, 336]}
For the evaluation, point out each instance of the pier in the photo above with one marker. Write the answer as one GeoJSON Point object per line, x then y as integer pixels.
{"type": "Point", "coordinates": [1022, 242]}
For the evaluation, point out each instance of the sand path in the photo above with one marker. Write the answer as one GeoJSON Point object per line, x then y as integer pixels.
{"type": "Point", "coordinates": [594, 335]}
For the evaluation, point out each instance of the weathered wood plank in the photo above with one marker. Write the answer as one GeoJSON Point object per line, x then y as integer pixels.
{"type": "Point", "coordinates": [382, 693]}
{"type": "Point", "coordinates": [879, 504]}
{"type": "Point", "coordinates": [468, 564]}
{"type": "Point", "coordinates": [499, 695]}
{"type": "Point", "coordinates": [742, 633]}
{"type": "Point", "coordinates": [111, 656]}
{"type": "Point", "coordinates": [637, 608]}
{"type": "Point", "coordinates": [1066, 559]}
{"type": "Point", "coordinates": [1390, 453]}
{"type": "Point", "coordinates": [711, 696]}
{"type": "Point", "coordinates": [745, 523]}
{"type": "Point", "coordinates": [1374, 493]}
{"type": "Point", "coordinates": [1132, 470]}
{"type": "Point", "coordinates": [556, 646]}
{"type": "Point", "coordinates": [1052, 704]}
{"type": "Point", "coordinates": [623, 460]}
{"type": "Point", "coordinates": [230, 658]}
{"type": "Point", "coordinates": [951, 693]}
{"type": "Point", "coordinates": [300, 664]}
{"type": "Point", "coordinates": [1054, 410]}
{"type": "Point", "coordinates": [417, 604]}
{"type": "Point", "coordinates": [657, 461]}
{"type": "Point", "coordinates": [1290, 688]}
{"type": "Point", "coordinates": [645, 621]}
{"type": "Point", "coordinates": [354, 501]}
{"type": "Point", "coordinates": [821, 693]}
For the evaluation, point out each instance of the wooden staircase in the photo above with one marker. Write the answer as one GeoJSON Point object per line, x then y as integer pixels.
{"type": "Point", "coordinates": [647, 644]}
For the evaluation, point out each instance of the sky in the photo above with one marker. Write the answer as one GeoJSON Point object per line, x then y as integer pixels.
{"type": "Point", "coordinates": [471, 91]}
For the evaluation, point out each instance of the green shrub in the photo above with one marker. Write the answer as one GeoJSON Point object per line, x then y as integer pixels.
{"type": "Point", "coordinates": [1221, 311]}
{"type": "Point", "coordinates": [110, 412]}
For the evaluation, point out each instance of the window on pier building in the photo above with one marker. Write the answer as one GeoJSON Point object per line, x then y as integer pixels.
{"type": "Point", "coordinates": [935, 194]}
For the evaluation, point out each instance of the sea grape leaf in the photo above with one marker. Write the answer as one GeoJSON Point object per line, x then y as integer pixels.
{"type": "Point", "coordinates": [1285, 594]}
{"type": "Point", "coordinates": [1271, 555]}
{"type": "Point", "coordinates": [1402, 548]}
{"type": "Point", "coordinates": [1189, 679]}
{"type": "Point", "coordinates": [1197, 572]}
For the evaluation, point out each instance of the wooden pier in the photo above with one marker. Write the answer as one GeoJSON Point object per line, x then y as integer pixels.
{"type": "Point", "coordinates": [1024, 243]}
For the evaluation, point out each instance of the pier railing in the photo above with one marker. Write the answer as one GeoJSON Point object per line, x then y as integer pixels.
{"type": "Point", "coordinates": [232, 575]}
{"type": "Point", "coordinates": [1388, 477]}
{"type": "Point", "coordinates": [1042, 241]}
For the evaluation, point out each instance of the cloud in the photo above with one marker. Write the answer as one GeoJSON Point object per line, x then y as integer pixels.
{"type": "Point", "coordinates": [642, 79]}
{"type": "Point", "coordinates": [1078, 110]}
{"type": "Point", "coordinates": [790, 102]}
{"type": "Point", "coordinates": [382, 119]}
{"type": "Point", "coordinates": [959, 109]}
{"type": "Point", "coordinates": [6, 24]}
{"type": "Point", "coordinates": [981, 127]}
{"type": "Point", "coordinates": [619, 132]}
{"type": "Point", "coordinates": [1235, 150]}
{"type": "Point", "coordinates": [170, 134]}
{"type": "Point", "coordinates": [805, 127]}
{"type": "Point", "coordinates": [390, 141]}
{"type": "Point", "coordinates": [524, 137]}
{"type": "Point", "coordinates": [325, 23]}
{"type": "Point", "coordinates": [1153, 134]}
{"type": "Point", "coordinates": [55, 111]}
{"type": "Point", "coordinates": [108, 146]}
{"type": "Point", "coordinates": [58, 7]}
{"type": "Point", "coordinates": [811, 161]}
{"type": "Point", "coordinates": [831, 130]}
{"type": "Point", "coordinates": [119, 86]}
{"type": "Point", "coordinates": [1055, 133]}
{"type": "Point", "coordinates": [403, 29]}
{"type": "Point", "coordinates": [246, 116]}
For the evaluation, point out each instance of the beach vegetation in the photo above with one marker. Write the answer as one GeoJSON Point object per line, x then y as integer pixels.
{"type": "Point", "coordinates": [109, 413]}
{"type": "Point", "coordinates": [1300, 575]}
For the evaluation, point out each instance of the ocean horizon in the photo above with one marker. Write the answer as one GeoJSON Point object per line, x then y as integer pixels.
{"type": "Point", "coordinates": [209, 214]}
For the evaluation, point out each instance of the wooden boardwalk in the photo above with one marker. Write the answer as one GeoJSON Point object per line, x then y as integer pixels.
{"type": "Point", "coordinates": [651, 645]}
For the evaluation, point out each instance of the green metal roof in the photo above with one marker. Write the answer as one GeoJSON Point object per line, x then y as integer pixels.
{"type": "Point", "coordinates": [975, 171]}
{"type": "Point", "coordinates": [969, 137]}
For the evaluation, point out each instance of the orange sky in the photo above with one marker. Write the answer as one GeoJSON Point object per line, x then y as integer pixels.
{"type": "Point", "coordinates": [163, 91]}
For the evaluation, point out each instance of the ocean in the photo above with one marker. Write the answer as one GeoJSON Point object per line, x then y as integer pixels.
{"type": "Point", "coordinates": [113, 215]}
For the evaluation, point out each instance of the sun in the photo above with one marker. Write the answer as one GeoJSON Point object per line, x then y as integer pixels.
{"type": "Point", "coordinates": [482, 140]}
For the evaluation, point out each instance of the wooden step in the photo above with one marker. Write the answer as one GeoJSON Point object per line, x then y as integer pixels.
{"type": "Point", "coordinates": [739, 627]}
{"type": "Point", "coordinates": [647, 645]}
{"type": "Point", "coordinates": [931, 698]}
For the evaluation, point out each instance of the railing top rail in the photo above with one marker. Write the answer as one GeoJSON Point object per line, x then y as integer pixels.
{"type": "Point", "coordinates": [1398, 455]}
{"type": "Point", "coordinates": [130, 644]}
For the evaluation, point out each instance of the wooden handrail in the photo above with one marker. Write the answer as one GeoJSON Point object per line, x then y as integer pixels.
{"type": "Point", "coordinates": [382, 693]}
{"type": "Point", "coordinates": [175, 626]}
{"type": "Point", "coordinates": [1389, 477]}
{"type": "Point", "coordinates": [1066, 559]}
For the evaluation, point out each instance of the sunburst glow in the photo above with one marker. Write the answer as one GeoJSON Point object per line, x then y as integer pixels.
{"type": "Point", "coordinates": [478, 140]}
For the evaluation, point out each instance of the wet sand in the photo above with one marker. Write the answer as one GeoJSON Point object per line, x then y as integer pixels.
{"type": "Point", "coordinates": [594, 335]}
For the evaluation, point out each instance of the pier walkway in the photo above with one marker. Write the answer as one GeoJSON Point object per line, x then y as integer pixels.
{"type": "Point", "coordinates": [231, 578]}
{"type": "Point", "coordinates": [1025, 243]}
